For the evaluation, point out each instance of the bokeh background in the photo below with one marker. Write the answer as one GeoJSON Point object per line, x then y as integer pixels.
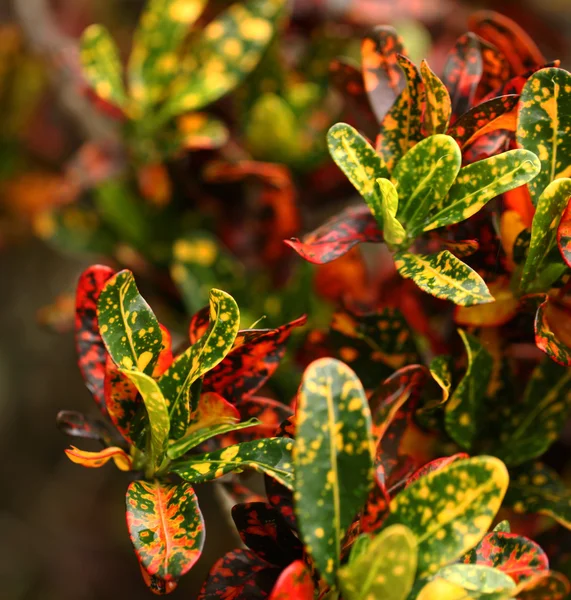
{"type": "Point", "coordinates": [62, 528]}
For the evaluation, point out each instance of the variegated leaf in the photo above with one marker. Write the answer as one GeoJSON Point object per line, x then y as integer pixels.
{"type": "Point", "coordinates": [385, 209]}
{"type": "Point", "coordinates": [479, 581]}
{"type": "Point", "coordinates": [552, 331]}
{"type": "Point", "coordinates": [438, 105]}
{"type": "Point", "coordinates": [94, 460]}
{"type": "Point", "coordinates": [564, 234]}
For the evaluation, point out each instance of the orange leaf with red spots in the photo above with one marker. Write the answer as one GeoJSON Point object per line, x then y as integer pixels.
{"type": "Point", "coordinates": [94, 460]}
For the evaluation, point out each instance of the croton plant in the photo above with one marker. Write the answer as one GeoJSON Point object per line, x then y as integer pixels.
{"type": "Point", "coordinates": [425, 445]}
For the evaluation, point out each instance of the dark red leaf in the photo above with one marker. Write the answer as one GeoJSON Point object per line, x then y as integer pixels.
{"type": "Point", "coordinates": [76, 424]}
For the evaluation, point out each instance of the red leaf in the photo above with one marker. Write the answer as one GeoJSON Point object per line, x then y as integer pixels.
{"type": "Point", "coordinates": [294, 583]}
{"type": "Point", "coordinates": [122, 399]}
{"type": "Point", "coordinates": [552, 331]}
{"type": "Point", "coordinates": [76, 424]}
{"type": "Point", "coordinates": [376, 508]}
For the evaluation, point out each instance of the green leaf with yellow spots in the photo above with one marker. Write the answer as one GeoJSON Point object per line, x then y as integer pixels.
{"type": "Point", "coordinates": [271, 456]}
{"type": "Point", "coordinates": [202, 356]}
{"type": "Point", "coordinates": [333, 459]}
{"type": "Point", "coordinates": [423, 177]}
{"type": "Point", "coordinates": [450, 510]}
{"type": "Point", "coordinates": [157, 412]}
{"type": "Point", "coordinates": [550, 208]}
{"type": "Point", "coordinates": [386, 570]}
{"type": "Point", "coordinates": [102, 66]}
{"type": "Point", "coordinates": [478, 580]}
{"type": "Point", "coordinates": [156, 54]}
{"type": "Point", "coordinates": [358, 160]}
{"type": "Point", "coordinates": [529, 427]}
{"type": "Point", "coordinates": [127, 324]}
{"type": "Point", "coordinates": [438, 104]}
{"type": "Point", "coordinates": [463, 412]}
{"type": "Point", "coordinates": [544, 125]}
{"type": "Point", "coordinates": [182, 446]}
{"type": "Point", "coordinates": [228, 49]}
{"type": "Point", "coordinates": [478, 183]}
{"type": "Point", "coordinates": [384, 208]}
{"type": "Point", "coordinates": [444, 276]}
{"type": "Point", "coordinates": [537, 489]}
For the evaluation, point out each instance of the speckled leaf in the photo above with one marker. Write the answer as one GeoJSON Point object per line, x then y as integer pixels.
{"type": "Point", "coordinates": [387, 570]}
{"type": "Point", "coordinates": [547, 335]}
{"type": "Point", "coordinates": [332, 459]}
{"type": "Point", "coordinates": [94, 460]}
{"type": "Point", "coordinates": [357, 159]}
{"type": "Point", "coordinates": [463, 411]}
{"type": "Point", "coordinates": [496, 72]}
{"type": "Point", "coordinates": [384, 209]}
{"type": "Point", "coordinates": [155, 56]}
{"type": "Point", "coordinates": [546, 586]}
{"type": "Point", "coordinates": [462, 72]}
{"type": "Point", "coordinates": [564, 235]}
{"type": "Point", "coordinates": [157, 412]}
{"type": "Point", "coordinates": [166, 527]}
{"type": "Point", "coordinates": [186, 443]}
{"type": "Point", "coordinates": [537, 488]}
{"type": "Point", "coordinates": [122, 400]}
{"type": "Point", "coordinates": [127, 325]}
{"type": "Point", "coordinates": [294, 582]}
{"type": "Point", "coordinates": [434, 465]}
{"type": "Point", "coordinates": [450, 510]}
{"type": "Point", "coordinates": [338, 235]}
{"type": "Point", "coordinates": [492, 115]}
{"type": "Point", "coordinates": [228, 49]}
{"type": "Point", "coordinates": [550, 206]}
{"type": "Point", "coordinates": [495, 314]}
{"type": "Point", "coordinates": [76, 424]}
{"type": "Point", "coordinates": [423, 177]}
{"type": "Point", "coordinates": [401, 128]}
{"type": "Point", "coordinates": [101, 64]}
{"type": "Point", "coordinates": [383, 78]}
{"type": "Point", "coordinates": [444, 276]}
{"type": "Point", "coordinates": [517, 556]}
{"type": "Point", "coordinates": [478, 580]}
{"type": "Point", "coordinates": [481, 181]}
{"type": "Point", "coordinates": [89, 344]}
{"type": "Point", "coordinates": [438, 105]}
{"type": "Point", "coordinates": [271, 456]}
{"type": "Point", "coordinates": [202, 356]}
{"type": "Point", "coordinates": [544, 125]}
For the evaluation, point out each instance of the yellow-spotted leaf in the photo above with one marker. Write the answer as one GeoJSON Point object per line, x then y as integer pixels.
{"type": "Point", "coordinates": [441, 589]}
{"type": "Point", "coordinates": [423, 177]}
{"type": "Point", "coordinates": [333, 459]}
{"type": "Point", "coordinates": [202, 356]}
{"type": "Point", "coordinates": [101, 65]}
{"type": "Point", "coordinates": [544, 125]}
{"type": "Point", "coordinates": [463, 410]}
{"type": "Point", "coordinates": [157, 412]}
{"type": "Point", "coordinates": [444, 276]}
{"type": "Point", "coordinates": [479, 182]}
{"type": "Point", "coordinates": [385, 209]}
{"type": "Point", "coordinates": [155, 57]}
{"type": "Point", "coordinates": [438, 104]}
{"type": "Point", "coordinates": [228, 49]}
{"type": "Point", "coordinates": [166, 527]}
{"type": "Point", "coordinates": [94, 460]}
{"type": "Point", "coordinates": [128, 326]}
{"type": "Point", "coordinates": [357, 159]}
{"type": "Point", "coordinates": [550, 207]}
{"type": "Point", "coordinates": [478, 580]}
{"type": "Point", "coordinates": [385, 570]}
{"type": "Point", "coordinates": [450, 510]}
{"type": "Point", "coordinates": [271, 456]}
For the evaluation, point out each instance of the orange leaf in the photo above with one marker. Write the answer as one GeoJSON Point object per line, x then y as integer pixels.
{"type": "Point", "coordinates": [493, 314]}
{"type": "Point", "coordinates": [94, 460]}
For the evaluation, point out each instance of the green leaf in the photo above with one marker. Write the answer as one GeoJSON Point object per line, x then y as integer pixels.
{"type": "Point", "coordinates": [502, 527]}
{"type": "Point", "coordinates": [423, 177]}
{"type": "Point", "coordinates": [444, 276]}
{"type": "Point", "coordinates": [202, 356]}
{"type": "Point", "coordinates": [333, 459]}
{"type": "Point", "coordinates": [166, 527]}
{"type": "Point", "coordinates": [358, 160]}
{"type": "Point", "coordinates": [535, 422]}
{"type": "Point", "coordinates": [271, 456]}
{"type": "Point", "coordinates": [157, 411]}
{"type": "Point", "coordinates": [360, 546]}
{"type": "Point", "coordinates": [199, 436]}
{"type": "Point", "coordinates": [127, 324]}
{"type": "Point", "coordinates": [479, 182]}
{"type": "Point", "coordinates": [537, 488]}
{"type": "Point", "coordinates": [386, 570]}
{"type": "Point", "coordinates": [101, 64]}
{"type": "Point", "coordinates": [450, 509]}
{"type": "Point", "coordinates": [544, 125]}
{"type": "Point", "coordinates": [385, 210]}
{"type": "Point", "coordinates": [477, 578]}
{"type": "Point", "coordinates": [550, 208]}
{"type": "Point", "coordinates": [155, 57]}
{"type": "Point", "coordinates": [463, 410]}
{"type": "Point", "coordinates": [227, 50]}
{"type": "Point", "coordinates": [438, 104]}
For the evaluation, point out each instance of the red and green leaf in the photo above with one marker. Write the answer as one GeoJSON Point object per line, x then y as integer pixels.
{"type": "Point", "coordinates": [551, 331]}
{"type": "Point", "coordinates": [564, 234]}
{"type": "Point", "coordinates": [166, 527]}
{"type": "Point", "coordinates": [122, 400]}
{"type": "Point", "coordinates": [376, 507]}
{"type": "Point", "coordinates": [476, 581]}
{"type": "Point", "coordinates": [94, 460]}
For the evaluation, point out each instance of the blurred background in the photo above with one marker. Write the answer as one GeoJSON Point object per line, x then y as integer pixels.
{"type": "Point", "coordinates": [63, 533]}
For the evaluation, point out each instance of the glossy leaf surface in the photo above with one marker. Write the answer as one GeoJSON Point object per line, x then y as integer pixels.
{"type": "Point", "coordinates": [478, 580]}
{"type": "Point", "coordinates": [94, 460]}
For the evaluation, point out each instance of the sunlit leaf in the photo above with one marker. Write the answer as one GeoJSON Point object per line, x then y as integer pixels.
{"type": "Point", "coordinates": [478, 580]}
{"type": "Point", "coordinates": [385, 209]}
{"type": "Point", "coordinates": [94, 460]}
{"type": "Point", "coordinates": [438, 105]}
